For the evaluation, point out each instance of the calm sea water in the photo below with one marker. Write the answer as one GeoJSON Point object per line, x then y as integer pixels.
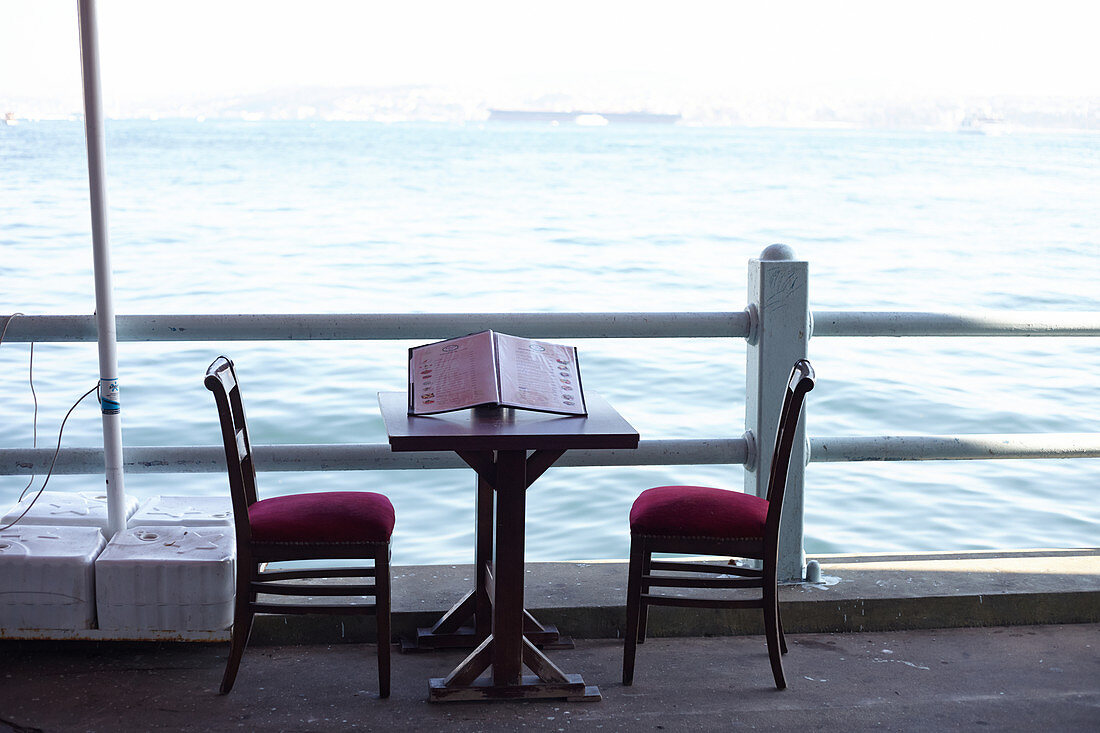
{"type": "Point", "coordinates": [235, 217]}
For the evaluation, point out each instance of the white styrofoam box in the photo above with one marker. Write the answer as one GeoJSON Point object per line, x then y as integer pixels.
{"type": "Point", "coordinates": [166, 578]}
{"type": "Point", "coordinates": [47, 576]}
{"type": "Point", "coordinates": [54, 508]}
{"type": "Point", "coordinates": [190, 511]}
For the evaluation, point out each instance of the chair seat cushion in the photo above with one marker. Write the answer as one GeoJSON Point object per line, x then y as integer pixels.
{"type": "Point", "coordinates": [333, 516]}
{"type": "Point", "coordinates": [698, 511]}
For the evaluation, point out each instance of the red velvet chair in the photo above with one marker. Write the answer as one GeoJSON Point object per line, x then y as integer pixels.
{"type": "Point", "coordinates": [698, 520]}
{"type": "Point", "coordinates": [321, 526]}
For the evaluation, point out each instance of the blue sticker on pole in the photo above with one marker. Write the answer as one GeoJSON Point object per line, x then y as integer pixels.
{"type": "Point", "coordinates": [108, 397]}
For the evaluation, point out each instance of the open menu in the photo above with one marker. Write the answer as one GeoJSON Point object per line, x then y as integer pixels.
{"type": "Point", "coordinates": [491, 368]}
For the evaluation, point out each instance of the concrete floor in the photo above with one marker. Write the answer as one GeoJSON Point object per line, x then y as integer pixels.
{"type": "Point", "coordinates": [1026, 678]}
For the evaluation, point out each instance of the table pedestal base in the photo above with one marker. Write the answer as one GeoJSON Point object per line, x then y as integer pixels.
{"type": "Point", "coordinates": [530, 687]}
{"type": "Point", "coordinates": [453, 631]}
{"type": "Point", "coordinates": [467, 637]}
{"type": "Point", "coordinates": [467, 681]}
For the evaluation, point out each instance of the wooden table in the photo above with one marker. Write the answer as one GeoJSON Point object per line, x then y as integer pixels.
{"type": "Point", "coordinates": [508, 449]}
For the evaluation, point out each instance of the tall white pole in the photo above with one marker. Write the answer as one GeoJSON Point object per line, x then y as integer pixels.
{"type": "Point", "coordinates": [104, 304]}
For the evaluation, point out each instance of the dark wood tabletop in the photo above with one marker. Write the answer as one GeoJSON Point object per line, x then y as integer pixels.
{"type": "Point", "coordinates": [504, 428]}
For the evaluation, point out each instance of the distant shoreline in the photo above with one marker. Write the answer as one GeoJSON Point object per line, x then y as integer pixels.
{"type": "Point", "coordinates": [569, 117]}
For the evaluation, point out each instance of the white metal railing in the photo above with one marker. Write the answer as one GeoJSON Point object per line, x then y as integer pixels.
{"type": "Point", "coordinates": [382, 326]}
{"type": "Point", "coordinates": [687, 452]}
{"type": "Point", "coordinates": [954, 447]}
{"type": "Point", "coordinates": [777, 326]}
{"type": "Point", "coordinates": [864, 323]}
{"type": "Point", "coordinates": [398, 326]}
{"type": "Point", "coordinates": [352, 457]}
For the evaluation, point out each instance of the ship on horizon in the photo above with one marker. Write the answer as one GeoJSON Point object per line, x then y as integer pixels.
{"type": "Point", "coordinates": [581, 117]}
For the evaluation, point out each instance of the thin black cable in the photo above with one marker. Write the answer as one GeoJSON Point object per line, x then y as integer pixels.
{"type": "Point", "coordinates": [52, 460]}
{"type": "Point", "coordinates": [7, 322]}
{"type": "Point", "coordinates": [34, 397]}
{"type": "Point", "coordinates": [34, 419]}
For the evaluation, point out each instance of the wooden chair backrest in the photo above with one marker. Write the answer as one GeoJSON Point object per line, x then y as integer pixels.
{"type": "Point", "coordinates": [221, 379]}
{"type": "Point", "coordinates": [801, 381]}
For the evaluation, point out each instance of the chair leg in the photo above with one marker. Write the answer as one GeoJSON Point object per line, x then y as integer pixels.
{"type": "Point", "coordinates": [242, 625]}
{"type": "Point", "coordinates": [643, 616]}
{"type": "Point", "coordinates": [772, 633]}
{"type": "Point", "coordinates": [633, 609]}
{"type": "Point", "coordinates": [382, 619]}
{"type": "Point", "coordinates": [779, 621]}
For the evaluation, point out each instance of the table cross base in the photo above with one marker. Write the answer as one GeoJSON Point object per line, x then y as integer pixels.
{"type": "Point", "coordinates": [453, 631]}
{"type": "Point", "coordinates": [466, 637]}
{"type": "Point", "coordinates": [467, 681]}
{"type": "Point", "coordinates": [531, 687]}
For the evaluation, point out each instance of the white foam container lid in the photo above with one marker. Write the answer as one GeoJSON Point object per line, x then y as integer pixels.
{"type": "Point", "coordinates": [47, 576]}
{"type": "Point", "coordinates": [190, 511]}
{"type": "Point", "coordinates": [166, 578]}
{"type": "Point", "coordinates": [54, 508]}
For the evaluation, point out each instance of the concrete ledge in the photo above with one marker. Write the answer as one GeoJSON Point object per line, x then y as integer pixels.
{"type": "Point", "coordinates": [859, 593]}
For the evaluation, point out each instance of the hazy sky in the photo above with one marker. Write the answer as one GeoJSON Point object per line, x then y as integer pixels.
{"type": "Point", "coordinates": [157, 50]}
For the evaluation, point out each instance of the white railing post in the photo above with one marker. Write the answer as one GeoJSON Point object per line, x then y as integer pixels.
{"type": "Point", "coordinates": [778, 335]}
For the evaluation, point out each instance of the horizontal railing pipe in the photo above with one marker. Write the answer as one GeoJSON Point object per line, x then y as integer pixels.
{"type": "Point", "coordinates": [382, 326]}
{"type": "Point", "coordinates": [954, 447]}
{"type": "Point", "coordinates": [732, 451]}
{"type": "Point", "coordinates": [866, 323]}
{"type": "Point", "coordinates": [350, 457]}
{"type": "Point", "coordinates": [399, 326]}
